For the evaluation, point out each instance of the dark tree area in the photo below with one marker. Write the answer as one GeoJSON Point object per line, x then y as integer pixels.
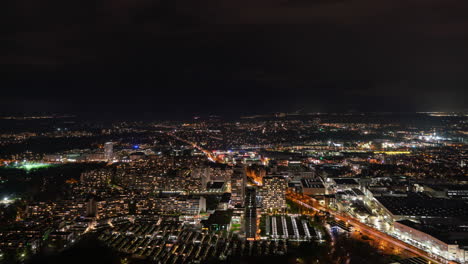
{"type": "Point", "coordinates": [88, 251]}
{"type": "Point", "coordinates": [41, 184]}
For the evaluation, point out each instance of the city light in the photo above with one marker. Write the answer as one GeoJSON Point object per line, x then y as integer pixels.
{"type": "Point", "coordinates": [194, 194]}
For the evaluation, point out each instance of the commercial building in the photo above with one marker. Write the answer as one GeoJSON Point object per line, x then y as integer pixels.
{"type": "Point", "coordinates": [311, 187]}
{"type": "Point", "coordinates": [451, 244]}
{"type": "Point", "coordinates": [447, 191]}
{"type": "Point", "coordinates": [344, 183]}
{"type": "Point", "coordinates": [423, 208]}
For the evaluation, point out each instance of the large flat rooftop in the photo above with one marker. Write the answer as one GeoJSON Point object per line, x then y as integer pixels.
{"type": "Point", "coordinates": [345, 181]}
{"type": "Point", "coordinates": [421, 205]}
{"type": "Point", "coordinates": [309, 183]}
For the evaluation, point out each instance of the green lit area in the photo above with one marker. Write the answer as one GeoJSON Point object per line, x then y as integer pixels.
{"type": "Point", "coordinates": [31, 165]}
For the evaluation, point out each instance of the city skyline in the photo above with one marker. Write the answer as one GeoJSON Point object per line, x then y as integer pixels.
{"type": "Point", "coordinates": [323, 188]}
{"type": "Point", "coordinates": [234, 132]}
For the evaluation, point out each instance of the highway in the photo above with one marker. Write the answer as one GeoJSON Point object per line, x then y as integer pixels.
{"type": "Point", "coordinates": [372, 232]}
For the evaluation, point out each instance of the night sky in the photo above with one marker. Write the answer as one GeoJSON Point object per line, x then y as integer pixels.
{"type": "Point", "coordinates": [172, 58]}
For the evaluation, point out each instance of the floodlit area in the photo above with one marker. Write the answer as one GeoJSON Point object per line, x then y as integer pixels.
{"type": "Point", "coordinates": [30, 165]}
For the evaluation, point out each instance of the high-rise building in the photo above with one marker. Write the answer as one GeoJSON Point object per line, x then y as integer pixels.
{"type": "Point", "coordinates": [274, 194]}
{"type": "Point", "coordinates": [238, 180]}
{"type": "Point", "coordinates": [250, 226]}
{"type": "Point", "coordinates": [109, 151]}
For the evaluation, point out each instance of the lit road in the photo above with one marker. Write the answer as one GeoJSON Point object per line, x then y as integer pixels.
{"type": "Point", "coordinates": [370, 231]}
{"type": "Point", "coordinates": [209, 154]}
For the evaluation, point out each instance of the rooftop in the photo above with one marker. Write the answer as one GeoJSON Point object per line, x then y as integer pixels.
{"type": "Point", "coordinates": [445, 233]}
{"type": "Point", "coordinates": [420, 205]}
{"type": "Point", "coordinates": [309, 183]}
{"type": "Point", "coordinates": [345, 181]}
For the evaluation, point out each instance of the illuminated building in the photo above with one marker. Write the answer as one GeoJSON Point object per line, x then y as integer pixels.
{"type": "Point", "coordinates": [250, 214]}
{"type": "Point", "coordinates": [63, 209]}
{"type": "Point", "coordinates": [449, 244]}
{"type": "Point", "coordinates": [108, 208]}
{"type": "Point", "coordinates": [311, 187]}
{"type": "Point", "coordinates": [345, 183]}
{"type": "Point", "coordinates": [96, 177]}
{"type": "Point", "coordinates": [108, 151]}
{"type": "Point", "coordinates": [238, 180]}
{"type": "Point", "coordinates": [184, 205]}
{"type": "Point", "coordinates": [274, 194]}
{"type": "Point", "coordinates": [202, 174]}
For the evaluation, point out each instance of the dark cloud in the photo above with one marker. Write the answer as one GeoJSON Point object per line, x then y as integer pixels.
{"type": "Point", "coordinates": [234, 56]}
